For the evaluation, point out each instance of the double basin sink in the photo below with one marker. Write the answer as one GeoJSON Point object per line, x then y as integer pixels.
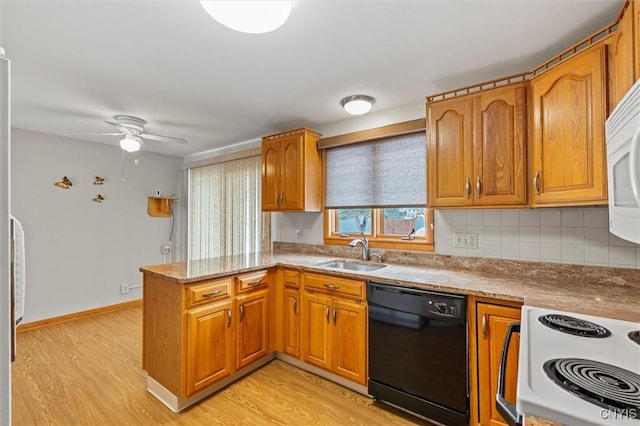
{"type": "Point", "coordinates": [352, 265]}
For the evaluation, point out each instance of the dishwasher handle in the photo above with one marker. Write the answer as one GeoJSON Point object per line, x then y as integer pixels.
{"type": "Point", "coordinates": [506, 409]}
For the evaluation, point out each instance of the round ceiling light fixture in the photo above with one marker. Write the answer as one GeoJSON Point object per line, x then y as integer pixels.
{"type": "Point", "coordinates": [130, 143]}
{"type": "Point", "coordinates": [357, 104]}
{"type": "Point", "coordinates": [253, 17]}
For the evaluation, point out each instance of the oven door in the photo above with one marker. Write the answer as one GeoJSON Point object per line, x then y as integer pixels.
{"type": "Point", "coordinates": [506, 409]}
{"type": "Point", "coordinates": [623, 164]}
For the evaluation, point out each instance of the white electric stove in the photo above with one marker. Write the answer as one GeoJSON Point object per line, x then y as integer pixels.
{"type": "Point", "coordinates": [588, 378]}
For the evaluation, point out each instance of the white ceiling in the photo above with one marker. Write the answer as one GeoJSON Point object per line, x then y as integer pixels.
{"type": "Point", "coordinates": [76, 63]}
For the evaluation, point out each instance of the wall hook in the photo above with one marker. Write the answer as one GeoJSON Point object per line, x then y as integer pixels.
{"type": "Point", "coordinates": [99, 198]}
{"type": "Point", "coordinates": [98, 181]}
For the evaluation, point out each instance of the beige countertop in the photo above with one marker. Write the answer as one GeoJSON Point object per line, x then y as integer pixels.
{"type": "Point", "coordinates": [606, 292]}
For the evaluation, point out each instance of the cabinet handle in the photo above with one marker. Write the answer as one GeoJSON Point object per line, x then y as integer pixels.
{"type": "Point", "coordinates": [334, 316]}
{"type": "Point", "coordinates": [479, 186]}
{"type": "Point", "coordinates": [536, 185]}
{"type": "Point", "coordinates": [467, 187]}
{"type": "Point", "coordinates": [213, 293]}
{"type": "Point", "coordinates": [255, 283]}
{"type": "Point", "coordinates": [228, 318]}
{"type": "Point", "coordinates": [326, 313]}
{"type": "Point", "coordinates": [295, 305]}
{"type": "Point", "coordinates": [331, 286]}
{"type": "Point", "coordinates": [484, 326]}
{"type": "Point", "coordinates": [241, 313]}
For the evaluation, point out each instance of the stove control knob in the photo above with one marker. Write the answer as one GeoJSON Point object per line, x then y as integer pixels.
{"type": "Point", "coordinates": [441, 308]}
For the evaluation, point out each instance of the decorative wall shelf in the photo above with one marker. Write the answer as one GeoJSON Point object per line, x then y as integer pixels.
{"type": "Point", "coordinates": [160, 206]}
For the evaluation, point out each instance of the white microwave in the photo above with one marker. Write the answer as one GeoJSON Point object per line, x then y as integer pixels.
{"type": "Point", "coordinates": [623, 166]}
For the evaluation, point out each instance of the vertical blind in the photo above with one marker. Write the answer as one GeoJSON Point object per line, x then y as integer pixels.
{"type": "Point", "coordinates": [388, 172]}
{"type": "Point", "coordinates": [225, 215]}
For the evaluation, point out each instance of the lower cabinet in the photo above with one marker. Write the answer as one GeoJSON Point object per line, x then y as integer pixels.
{"type": "Point", "coordinates": [252, 327]}
{"type": "Point", "coordinates": [210, 346]}
{"type": "Point", "coordinates": [489, 328]}
{"type": "Point", "coordinates": [291, 322]}
{"type": "Point", "coordinates": [334, 326]}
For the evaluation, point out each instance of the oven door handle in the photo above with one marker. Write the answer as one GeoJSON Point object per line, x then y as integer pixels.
{"type": "Point", "coordinates": [506, 409]}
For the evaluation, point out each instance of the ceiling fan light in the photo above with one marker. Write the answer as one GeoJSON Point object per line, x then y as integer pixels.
{"type": "Point", "coordinates": [253, 17]}
{"type": "Point", "coordinates": [357, 104]}
{"type": "Point", "coordinates": [130, 144]}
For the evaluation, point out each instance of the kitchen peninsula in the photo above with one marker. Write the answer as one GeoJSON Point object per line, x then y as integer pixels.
{"type": "Point", "coordinates": [240, 301]}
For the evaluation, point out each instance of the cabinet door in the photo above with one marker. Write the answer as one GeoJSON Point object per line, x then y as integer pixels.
{"type": "Point", "coordinates": [291, 322]}
{"type": "Point", "coordinates": [270, 175]}
{"type": "Point", "coordinates": [253, 327]}
{"type": "Point", "coordinates": [450, 153]}
{"type": "Point", "coordinates": [292, 172]}
{"type": "Point", "coordinates": [350, 340]}
{"type": "Point", "coordinates": [492, 323]}
{"type": "Point", "coordinates": [500, 147]}
{"type": "Point", "coordinates": [209, 345]}
{"type": "Point", "coordinates": [568, 149]}
{"type": "Point", "coordinates": [315, 333]}
{"type": "Point", "coordinates": [621, 72]}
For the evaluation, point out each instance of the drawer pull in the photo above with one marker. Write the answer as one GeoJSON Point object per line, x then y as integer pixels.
{"type": "Point", "coordinates": [331, 286]}
{"type": "Point", "coordinates": [484, 326]}
{"type": "Point", "coordinates": [213, 293]}
{"type": "Point", "coordinates": [295, 305]}
{"type": "Point", "coordinates": [255, 283]}
{"type": "Point", "coordinates": [228, 318]}
{"type": "Point", "coordinates": [241, 313]}
{"type": "Point", "coordinates": [326, 313]}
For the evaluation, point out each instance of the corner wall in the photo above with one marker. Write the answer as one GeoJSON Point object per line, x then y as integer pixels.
{"type": "Point", "coordinates": [79, 252]}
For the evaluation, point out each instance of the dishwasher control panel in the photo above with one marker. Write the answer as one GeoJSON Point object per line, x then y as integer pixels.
{"type": "Point", "coordinates": [448, 308]}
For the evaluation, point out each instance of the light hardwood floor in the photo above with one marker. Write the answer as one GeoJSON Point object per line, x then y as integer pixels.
{"type": "Point", "coordinates": [89, 372]}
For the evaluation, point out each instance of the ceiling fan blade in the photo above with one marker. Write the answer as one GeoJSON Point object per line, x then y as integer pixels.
{"type": "Point", "coordinates": [114, 124]}
{"type": "Point", "coordinates": [93, 134]}
{"type": "Point", "coordinates": [162, 138]}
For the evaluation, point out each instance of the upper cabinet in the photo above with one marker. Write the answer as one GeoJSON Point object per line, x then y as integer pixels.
{"type": "Point", "coordinates": [291, 171]}
{"type": "Point", "coordinates": [621, 59]}
{"type": "Point", "coordinates": [568, 163]}
{"type": "Point", "coordinates": [476, 149]}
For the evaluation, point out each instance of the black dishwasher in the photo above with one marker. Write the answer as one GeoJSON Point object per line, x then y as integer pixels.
{"type": "Point", "coordinates": [418, 352]}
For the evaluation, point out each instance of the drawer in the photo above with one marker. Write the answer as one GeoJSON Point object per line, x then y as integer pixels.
{"type": "Point", "coordinates": [252, 280]}
{"type": "Point", "coordinates": [334, 285]}
{"type": "Point", "coordinates": [202, 293]}
{"type": "Point", "coordinates": [291, 278]}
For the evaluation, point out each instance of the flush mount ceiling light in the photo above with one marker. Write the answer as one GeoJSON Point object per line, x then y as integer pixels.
{"type": "Point", "coordinates": [357, 104]}
{"type": "Point", "coordinates": [130, 143]}
{"type": "Point", "coordinates": [253, 17]}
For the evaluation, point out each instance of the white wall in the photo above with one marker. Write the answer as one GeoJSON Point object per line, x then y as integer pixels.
{"type": "Point", "coordinates": [79, 252]}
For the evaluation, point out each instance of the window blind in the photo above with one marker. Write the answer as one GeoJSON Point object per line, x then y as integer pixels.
{"type": "Point", "coordinates": [388, 172]}
{"type": "Point", "coordinates": [225, 215]}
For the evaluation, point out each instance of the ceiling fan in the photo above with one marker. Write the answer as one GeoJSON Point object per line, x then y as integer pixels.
{"type": "Point", "coordinates": [132, 128]}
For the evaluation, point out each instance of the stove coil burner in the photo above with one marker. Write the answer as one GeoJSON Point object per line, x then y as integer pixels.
{"type": "Point", "coordinates": [574, 326]}
{"type": "Point", "coordinates": [604, 385]}
{"type": "Point", "coordinates": [635, 336]}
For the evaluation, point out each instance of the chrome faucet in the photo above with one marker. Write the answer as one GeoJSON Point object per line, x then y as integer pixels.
{"type": "Point", "coordinates": [365, 246]}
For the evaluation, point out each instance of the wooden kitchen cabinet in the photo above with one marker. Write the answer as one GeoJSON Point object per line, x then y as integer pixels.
{"type": "Point", "coordinates": [290, 311]}
{"type": "Point", "coordinates": [568, 161]}
{"type": "Point", "coordinates": [333, 322]}
{"type": "Point", "coordinates": [210, 347]}
{"type": "Point", "coordinates": [488, 328]}
{"type": "Point", "coordinates": [621, 58]}
{"type": "Point", "coordinates": [291, 171]}
{"type": "Point", "coordinates": [252, 327]}
{"type": "Point", "coordinates": [476, 149]}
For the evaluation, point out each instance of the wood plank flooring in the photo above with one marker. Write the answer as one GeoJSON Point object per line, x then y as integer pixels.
{"type": "Point", "coordinates": [89, 372]}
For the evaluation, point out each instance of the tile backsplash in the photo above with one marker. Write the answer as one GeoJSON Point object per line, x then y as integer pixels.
{"type": "Point", "coordinates": [572, 235]}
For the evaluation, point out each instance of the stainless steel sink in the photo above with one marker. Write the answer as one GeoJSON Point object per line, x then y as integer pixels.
{"type": "Point", "coordinates": [352, 265]}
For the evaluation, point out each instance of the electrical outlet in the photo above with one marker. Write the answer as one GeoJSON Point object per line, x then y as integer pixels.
{"type": "Point", "coordinates": [124, 288]}
{"type": "Point", "coordinates": [299, 232]}
{"type": "Point", "coordinates": [165, 248]}
{"type": "Point", "coordinates": [466, 240]}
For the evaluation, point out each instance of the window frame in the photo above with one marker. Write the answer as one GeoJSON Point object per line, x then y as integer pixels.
{"type": "Point", "coordinates": [377, 238]}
